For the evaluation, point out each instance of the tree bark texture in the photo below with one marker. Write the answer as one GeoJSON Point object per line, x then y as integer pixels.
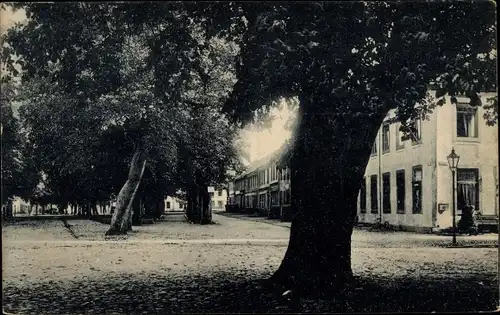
{"type": "Point", "coordinates": [207, 208]}
{"type": "Point", "coordinates": [137, 210]}
{"type": "Point", "coordinates": [198, 209]}
{"type": "Point", "coordinates": [328, 163]}
{"type": "Point", "coordinates": [122, 217]}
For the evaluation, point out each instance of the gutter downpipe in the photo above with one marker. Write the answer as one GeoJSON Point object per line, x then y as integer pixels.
{"type": "Point", "coordinates": [380, 175]}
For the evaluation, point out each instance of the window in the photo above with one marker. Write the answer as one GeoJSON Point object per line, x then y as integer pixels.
{"type": "Point", "coordinates": [400, 191]}
{"type": "Point", "coordinates": [417, 189]}
{"type": "Point", "coordinates": [168, 204]}
{"type": "Point", "coordinates": [399, 137]}
{"type": "Point", "coordinates": [466, 121]}
{"type": "Point", "coordinates": [286, 197]}
{"type": "Point", "coordinates": [211, 195]}
{"type": "Point", "coordinates": [219, 204]}
{"type": "Point", "coordinates": [374, 147]}
{"type": "Point", "coordinates": [362, 196]}
{"type": "Point", "coordinates": [275, 198]}
{"type": "Point", "coordinates": [212, 204]}
{"type": "Point", "coordinates": [373, 194]}
{"type": "Point", "coordinates": [467, 188]}
{"type": "Point", "coordinates": [386, 192]}
{"type": "Point", "coordinates": [219, 193]}
{"type": "Point", "coordinates": [416, 131]}
{"type": "Point", "coordinates": [385, 138]}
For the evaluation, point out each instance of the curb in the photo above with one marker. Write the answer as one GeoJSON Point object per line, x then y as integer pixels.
{"type": "Point", "coordinates": [267, 221]}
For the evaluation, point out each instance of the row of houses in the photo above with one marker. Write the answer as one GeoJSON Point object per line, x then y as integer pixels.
{"type": "Point", "coordinates": [407, 183]}
{"type": "Point", "coordinates": [264, 188]}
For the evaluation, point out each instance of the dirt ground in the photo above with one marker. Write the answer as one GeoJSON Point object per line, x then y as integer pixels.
{"type": "Point", "coordinates": [54, 268]}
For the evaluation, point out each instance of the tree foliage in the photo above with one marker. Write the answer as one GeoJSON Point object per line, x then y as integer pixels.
{"type": "Point", "coordinates": [391, 55]}
{"type": "Point", "coordinates": [142, 74]}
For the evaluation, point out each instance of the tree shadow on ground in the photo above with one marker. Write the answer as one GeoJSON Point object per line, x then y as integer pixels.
{"type": "Point", "coordinates": [229, 293]}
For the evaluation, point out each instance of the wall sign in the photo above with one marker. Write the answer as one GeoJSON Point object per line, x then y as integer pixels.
{"type": "Point", "coordinates": [442, 207]}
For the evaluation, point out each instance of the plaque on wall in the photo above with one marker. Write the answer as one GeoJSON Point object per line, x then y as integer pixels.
{"type": "Point", "coordinates": [442, 207]}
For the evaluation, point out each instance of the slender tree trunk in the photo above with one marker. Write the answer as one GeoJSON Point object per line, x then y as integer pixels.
{"type": "Point", "coordinates": [328, 163]}
{"type": "Point", "coordinates": [62, 207]}
{"type": "Point", "coordinates": [122, 214]}
{"type": "Point", "coordinates": [137, 210]}
{"type": "Point", "coordinates": [94, 209]}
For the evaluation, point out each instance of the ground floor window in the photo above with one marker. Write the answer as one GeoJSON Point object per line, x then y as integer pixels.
{"type": "Point", "coordinates": [417, 189]}
{"type": "Point", "coordinates": [362, 196]}
{"type": "Point", "coordinates": [262, 201]}
{"type": "Point", "coordinates": [400, 191]}
{"type": "Point", "coordinates": [467, 188]}
{"type": "Point", "coordinates": [275, 200]}
{"type": "Point", "coordinates": [219, 204]}
{"type": "Point", "coordinates": [255, 201]}
{"type": "Point", "coordinates": [386, 190]}
{"type": "Point", "coordinates": [373, 194]}
{"type": "Point", "coordinates": [168, 204]}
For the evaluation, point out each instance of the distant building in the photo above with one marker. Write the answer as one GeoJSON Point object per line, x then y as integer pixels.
{"type": "Point", "coordinates": [218, 201]}
{"type": "Point", "coordinates": [174, 204]}
{"type": "Point", "coordinates": [408, 183]}
{"type": "Point", "coordinates": [20, 207]}
{"type": "Point", "coordinates": [218, 198]}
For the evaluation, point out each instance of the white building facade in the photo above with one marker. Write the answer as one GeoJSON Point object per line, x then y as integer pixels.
{"type": "Point", "coordinates": [218, 199]}
{"type": "Point", "coordinates": [409, 183]}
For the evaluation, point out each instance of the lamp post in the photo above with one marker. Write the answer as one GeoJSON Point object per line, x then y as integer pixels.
{"type": "Point", "coordinates": [453, 159]}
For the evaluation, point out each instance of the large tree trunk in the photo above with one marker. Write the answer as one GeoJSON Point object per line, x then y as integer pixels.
{"type": "Point", "coordinates": [206, 210]}
{"type": "Point", "coordinates": [159, 204]}
{"type": "Point", "coordinates": [122, 214]}
{"type": "Point", "coordinates": [328, 163]}
{"type": "Point", "coordinates": [194, 207]}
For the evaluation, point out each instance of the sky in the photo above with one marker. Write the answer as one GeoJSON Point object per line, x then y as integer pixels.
{"type": "Point", "coordinates": [265, 141]}
{"type": "Point", "coordinates": [8, 18]}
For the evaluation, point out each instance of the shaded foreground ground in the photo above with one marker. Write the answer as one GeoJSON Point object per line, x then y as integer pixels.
{"type": "Point", "coordinates": [177, 267]}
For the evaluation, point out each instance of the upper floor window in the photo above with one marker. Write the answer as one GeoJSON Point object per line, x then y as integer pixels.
{"type": "Point", "coordinates": [374, 147]}
{"type": "Point", "coordinates": [219, 193]}
{"type": "Point", "coordinates": [385, 138]}
{"type": "Point", "coordinates": [466, 121]}
{"type": "Point", "coordinates": [416, 131]}
{"type": "Point", "coordinates": [399, 137]}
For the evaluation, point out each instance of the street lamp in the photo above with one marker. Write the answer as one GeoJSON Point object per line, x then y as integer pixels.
{"type": "Point", "coordinates": [453, 159]}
